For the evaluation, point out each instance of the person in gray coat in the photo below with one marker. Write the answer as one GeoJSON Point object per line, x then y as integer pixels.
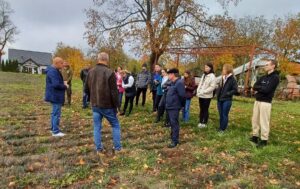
{"type": "Point", "coordinates": [142, 81]}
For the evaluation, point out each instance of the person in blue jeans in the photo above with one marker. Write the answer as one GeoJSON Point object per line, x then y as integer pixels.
{"type": "Point", "coordinates": [101, 86]}
{"type": "Point", "coordinates": [55, 93]}
{"type": "Point", "coordinates": [227, 88]}
{"type": "Point", "coordinates": [190, 86]}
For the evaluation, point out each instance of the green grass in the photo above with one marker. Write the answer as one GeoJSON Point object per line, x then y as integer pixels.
{"type": "Point", "coordinates": [31, 158]}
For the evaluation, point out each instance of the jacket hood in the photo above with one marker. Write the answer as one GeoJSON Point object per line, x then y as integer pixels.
{"type": "Point", "coordinates": [49, 68]}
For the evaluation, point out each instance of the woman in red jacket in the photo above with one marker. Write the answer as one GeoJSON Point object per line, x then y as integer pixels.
{"type": "Point", "coordinates": [190, 86]}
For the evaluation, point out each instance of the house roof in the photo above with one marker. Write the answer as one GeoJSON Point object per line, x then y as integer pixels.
{"type": "Point", "coordinates": [41, 58]}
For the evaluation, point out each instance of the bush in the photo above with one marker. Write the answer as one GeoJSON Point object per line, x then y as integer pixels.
{"type": "Point", "coordinates": [9, 66]}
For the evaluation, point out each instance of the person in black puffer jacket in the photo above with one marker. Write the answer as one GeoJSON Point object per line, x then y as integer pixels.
{"type": "Point", "coordinates": [227, 88]}
{"type": "Point", "coordinates": [130, 91]}
{"type": "Point", "coordinates": [265, 88]}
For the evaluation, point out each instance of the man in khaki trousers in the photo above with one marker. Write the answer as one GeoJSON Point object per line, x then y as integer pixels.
{"type": "Point", "coordinates": [264, 92]}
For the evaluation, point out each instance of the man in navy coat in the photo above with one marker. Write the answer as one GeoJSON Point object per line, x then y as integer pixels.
{"type": "Point", "coordinates": [175, 101]}
{"type": "Point", "coordinates": [55, 93]}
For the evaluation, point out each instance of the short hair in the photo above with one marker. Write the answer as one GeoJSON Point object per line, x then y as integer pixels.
{"type": "Point", "coordinates": [103, 57]}
{"type": "Point", "coordinates": [57, 60]}
{"type": "Point", "coordinates": [173, 70]}
{"type": "Point", "coordinates": [274, 62]}
{"type": "Point", "coordinates": [228, 68]}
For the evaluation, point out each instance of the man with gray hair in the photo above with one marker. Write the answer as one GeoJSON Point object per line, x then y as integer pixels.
{"type": "Point", "coordinates": [102, 88]}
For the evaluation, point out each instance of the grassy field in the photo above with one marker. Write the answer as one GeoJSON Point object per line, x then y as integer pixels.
{"type": "Point", "coordinates": [31, 158]}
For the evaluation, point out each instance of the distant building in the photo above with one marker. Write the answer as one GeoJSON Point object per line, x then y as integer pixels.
{"type": "Point", "coordinates": [30, 61]}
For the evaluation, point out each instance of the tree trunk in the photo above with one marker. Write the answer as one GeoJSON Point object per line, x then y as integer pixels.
{"type": "Point", "coordinates": [154, 57]}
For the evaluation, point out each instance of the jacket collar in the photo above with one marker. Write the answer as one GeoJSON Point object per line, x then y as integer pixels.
{"type": "Point", "coordinates": [174, 82]}
{"type": "Point", "coordinates": [274, 72]}
{"type": "Point", "coordinates": [99, 64]}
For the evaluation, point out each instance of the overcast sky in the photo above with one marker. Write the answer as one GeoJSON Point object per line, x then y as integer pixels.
{"type": "Point", "coordinates": [44, 23]}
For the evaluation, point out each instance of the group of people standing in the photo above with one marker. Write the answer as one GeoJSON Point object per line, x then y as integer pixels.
{"type": "Point", "coordinates": [104, 90]}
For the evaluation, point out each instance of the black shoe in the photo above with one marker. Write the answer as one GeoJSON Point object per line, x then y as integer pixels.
{"type": "Point", "coordinates": [254, 139]}
{"type": "Point", "coordinates": [172, 145]}
{"type": "Point", "coordinates": [262, 144]}
{"type": "Point", "coordinates": [122, 114]}
{"type": "Point", "coordinates": [157, 120]}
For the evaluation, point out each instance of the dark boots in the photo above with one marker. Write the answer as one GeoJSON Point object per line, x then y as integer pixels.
{"type": "Point", "coordinates": [254, 139]}
{"type": "Point", "coordinates": [259, 143]}
{"type": "Point", "coordinates": [262, 144]}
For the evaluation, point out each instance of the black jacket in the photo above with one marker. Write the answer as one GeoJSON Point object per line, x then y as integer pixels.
{"type": "Point", "coordinates": [266, 87]}
{"type": "Point", "coordinates": [227, 90]}
{"type": "Point", "coordinates": [83, 74]}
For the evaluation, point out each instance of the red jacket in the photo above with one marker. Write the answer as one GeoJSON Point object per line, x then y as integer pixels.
{"type": "Point", "coordinates": [189, 89]}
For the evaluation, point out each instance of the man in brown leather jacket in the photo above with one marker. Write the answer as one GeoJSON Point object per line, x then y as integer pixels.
{"type": "Point", "coordinates": [101, 86]}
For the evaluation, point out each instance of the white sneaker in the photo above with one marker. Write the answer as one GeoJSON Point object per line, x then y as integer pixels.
{"type": "Point", "coordinates": [60, 134]}
{"type": "Point", "coordinates": [201, 125]}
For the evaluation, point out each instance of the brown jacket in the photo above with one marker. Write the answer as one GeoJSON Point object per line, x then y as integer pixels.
{"type": "Point", "coordinates": [101, 86]}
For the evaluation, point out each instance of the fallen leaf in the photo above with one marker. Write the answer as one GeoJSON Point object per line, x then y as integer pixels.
{"type": "Point", "coordinates": [12, 184]}
{"type": "Point", "coordinates": [274, 181]}
{"type": "Point", "coordinates": [81, 162]}
{"type": "Point", "coordinates": [146, 166]}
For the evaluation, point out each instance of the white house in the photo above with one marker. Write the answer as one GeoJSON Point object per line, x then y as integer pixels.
{"type": "Point", "coordinates": [30, 61]}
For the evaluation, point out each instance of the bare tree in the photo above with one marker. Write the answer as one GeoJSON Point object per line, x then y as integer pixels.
{"type": "Point", "coordinates": [152, 24]}
{"type": "Point", "coordinates": [7, 29]}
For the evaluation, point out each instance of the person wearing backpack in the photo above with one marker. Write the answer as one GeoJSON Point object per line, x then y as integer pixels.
{"type": "Point", "coordinates": [205, 92]}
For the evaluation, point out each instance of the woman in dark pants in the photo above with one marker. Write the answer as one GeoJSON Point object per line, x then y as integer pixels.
{"type": "Point", "coordinates": [205, 92]}
{"type": "Point", "coordinates": [227, 88]}
{"type": "Point", "coordinates": [130, 91]}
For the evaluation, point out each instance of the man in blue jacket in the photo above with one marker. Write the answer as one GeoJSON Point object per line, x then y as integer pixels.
{"type": "Point", "coordinates": [55, 93]}
{"type": "Point", "coordinates": [175, 100]}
